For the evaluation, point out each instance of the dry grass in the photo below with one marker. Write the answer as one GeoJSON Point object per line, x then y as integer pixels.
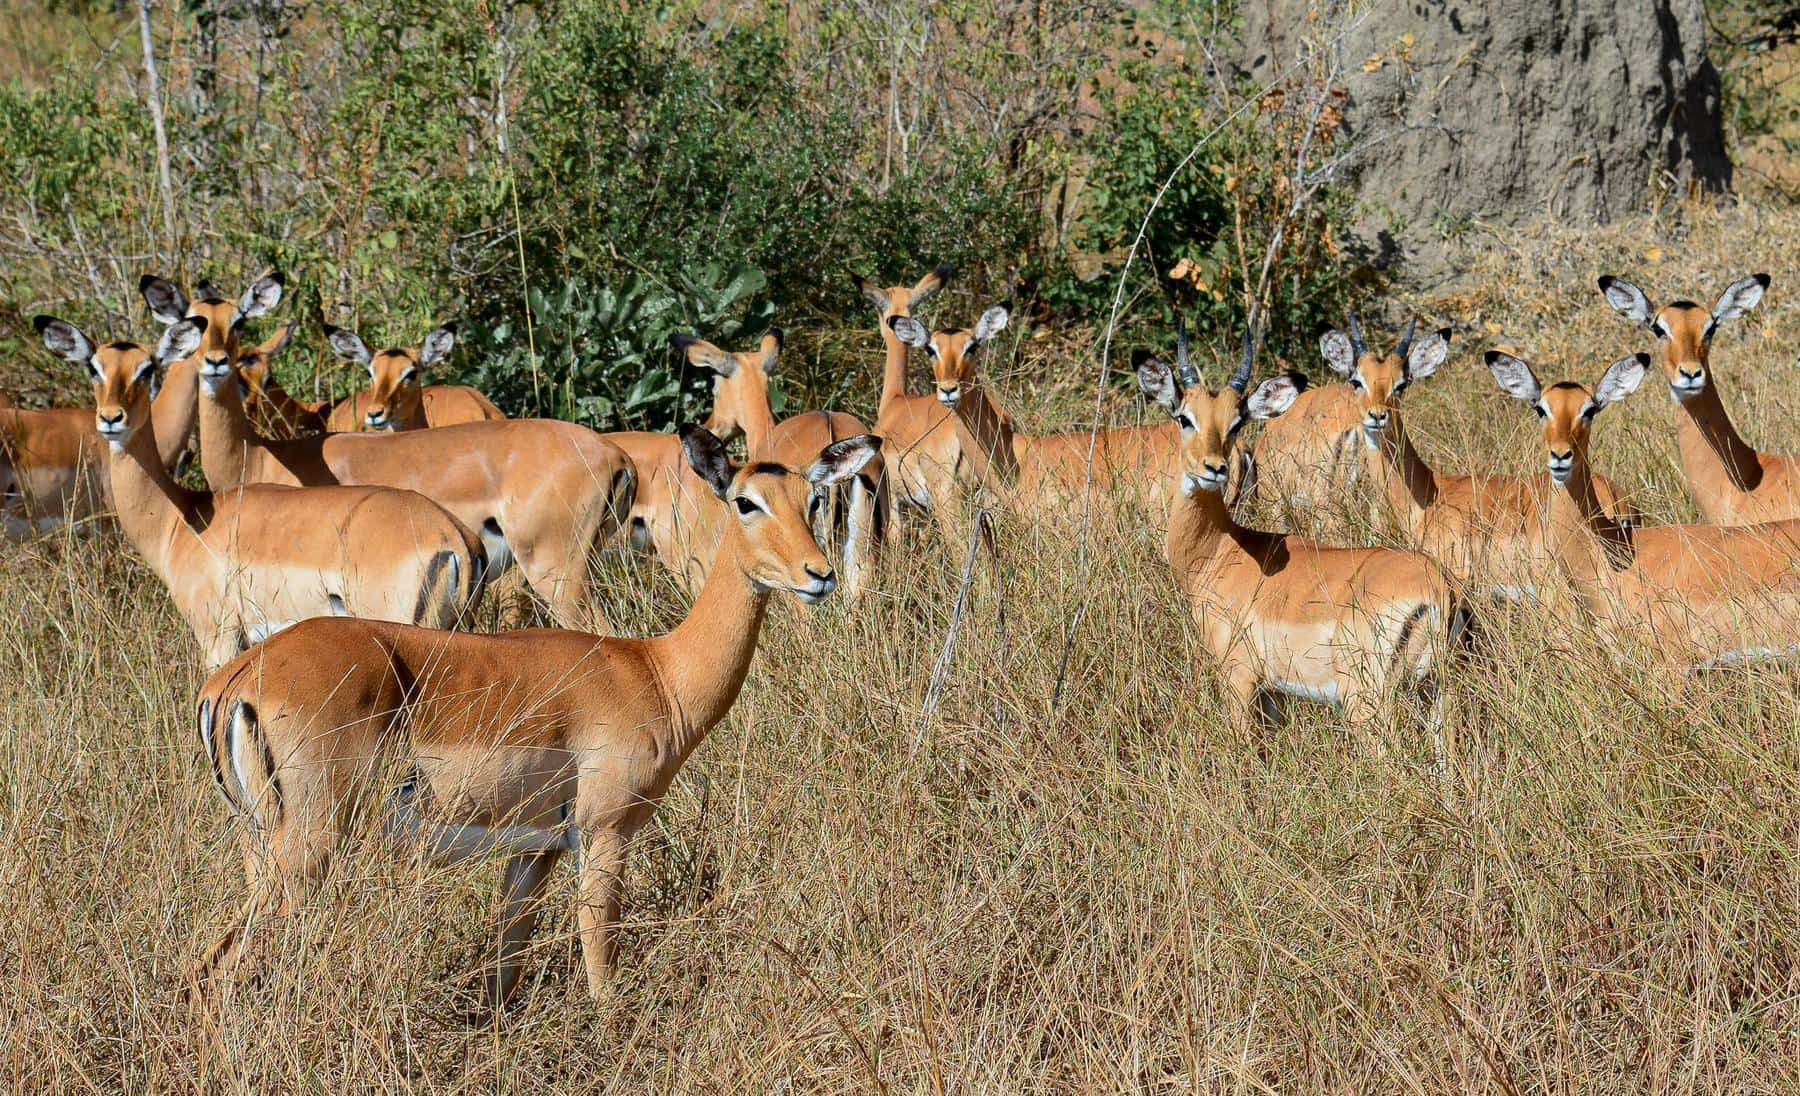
{"type": "Point", "coordinates": [1113, 893]}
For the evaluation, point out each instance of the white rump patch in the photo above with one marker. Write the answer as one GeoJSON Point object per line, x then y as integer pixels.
{"type": "Point", "coordinates": [1324, 694]}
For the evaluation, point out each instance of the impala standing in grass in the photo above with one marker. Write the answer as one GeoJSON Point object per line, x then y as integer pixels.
{"type": "Point", "coordinates": [1732, 483]}
{"type": "Point", "coordinates": [1696, 595]}
{"type": "Point", "coordinates": [248, 562]}
{"type": "Point", "coordinates": [397, 397]}
{"type": "Point", "coordinates": [929, 456]}
{"type": "Point", "coordinates": [542, 493]}
{"type": "Point", "coordinates": [1491, 532]}
{"type": "Point", "coordinates": [1278, 614]}
{"type": "Point", "coordinates": [530, 744]}
{"type": "Point", "coordinates": [1042, 469]}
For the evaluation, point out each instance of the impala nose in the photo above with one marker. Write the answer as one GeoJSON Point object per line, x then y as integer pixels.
{"type": "Point", "coordinates": [822, 583]}
{"type": "Point", "coordinates": [377, 418]}
{"type": "Point", "coordinates": [1561, 464]}
{"type": "Point", "coordinates": [949, 394]}
{"type": "Point", "coordinates": [111, 423]}
{"type": "Point", "coordinates": [1375, 420]}
{"type": "Point", "coordinates": [1689, 381]}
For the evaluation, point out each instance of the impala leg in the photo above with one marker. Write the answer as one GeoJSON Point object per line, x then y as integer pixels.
{"type": "Point", "coordinates": [602, 875]}
{"type": "Point", "coordinates": [280, 873]}
{"type": "Point", "coordinates": [521, 894]}
{"type": "Point", "coordinates": [1431, 693]}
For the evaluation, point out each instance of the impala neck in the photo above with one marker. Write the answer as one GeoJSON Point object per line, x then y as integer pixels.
{"type": "Point", "coordinates": [704, 661]}
{"type": "Point", "coordinates": [154, 510]}
{"type": "Point", "coordinates": [1409, 483]}
{"type": "Point", "coordinates": [1198, 524]}
{"type": "Point", "coordinates": [225, 436]}
{"type": "Point", "coordinates": [174, 410]}
{"type": "Point", "coordinates": [1711, 448]}
{"type": "Point", "coordinates": [998, 445]}
{"type": "Point", "coordinates": [1590, 544]}
{"type": "Point", "coordinates": [893, 371]}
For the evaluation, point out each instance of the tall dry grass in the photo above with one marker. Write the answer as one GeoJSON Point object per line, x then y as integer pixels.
{"type": "Point", "coordinates": [1117, 892]}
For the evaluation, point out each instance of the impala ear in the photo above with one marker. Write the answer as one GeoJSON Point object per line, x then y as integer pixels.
{"type": "Point", "coordinates": [992, 322]}
{"type": "Point", "coordinates": [277, 342]}
{"type": "Point", "coordinates": [167, 302]}
{"type": "Point", "coordinates": [1739, 297]}
{"type": "Point", "coordinates": [1514, 377]}
{"type": "Point", "coordinates": [209, 290]}
{"type": "Point", "coordinates": [438, 345]}
{"type": "Point", "coordinates": [1621, 379]}
{"type": "Point", "coordinates": [65, 340]}
{"type": "Point", "coordinates": [842, 459]}
{"type": "Point", "coordinates": [1156, 381]}
{"type": "Point", "coordinates": [179, 340]}
{"type": "Point", "coordinates": [910, 331]}
{"type": "Point", "coordinates": [704, 354]}
{"type": "Point", "coordinates": [348, 345]}
{"type": "Point", "coordinates": [1272, 397]}
{"type": "Point", "coordinates": [1339, 354]}
{"type": "Point", "coordinates": [1627, 299]}
{"type": "Point", "coordinates": [771, 350]}
{"type": "Point", "coordinates": [929, 285]}
{"type": "Point", "coordinates": [706, 455]}
{"type": "Point", "coordinates": [1429, 353]}
{"type": "Point", "coordinates": [871, 292]}
{"type": "Point", "coordinates": [262, 296]}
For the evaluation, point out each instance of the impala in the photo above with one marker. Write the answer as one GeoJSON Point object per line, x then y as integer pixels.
{"type": "Point", "coordinates": [673, 515]}
{"type": "Point", "coordinates": [1732, 483]}
{"type": "Point", "coordinates": [1490, 531]}
{"type": "Point", "coordinates": [1047, 467]}
{"type": "Point", "coordinates": [541, 493]}
{"type": "Point", "coordinates": [1279, 614]}
{"type": "Point", "coordinates": [53, 464]}
{"type": "Point", "coordinates": [242, 564]}
{"type": "Point", "coordinates": [530, 743]}
{"type": "Point", "coordinates": [1314, 454]}
{"type": "Point", "coordinates": [928, 452]}
{"type": "Point", "coordinates": [1697, 595]}
{"type": "Point", "coordinates": [396, 399]}
{"type": "Point", "coordinates": [176, 409]}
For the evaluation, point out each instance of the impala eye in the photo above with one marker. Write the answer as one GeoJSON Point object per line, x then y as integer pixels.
{"type": "Point", "coordinates": [745, 506]}
{"type": "Point", "coordinates": [1235, 423]}
{"type": "Point", "coordinates": [1543, 413]}
{"type": "Point", "coordinates": [1661, 331]}
{"type": "Point", "coordinates": [409, 376]}
{"type": "Point", "coordinates": [1356, 382]}
{"type": "Point", "coordinates": [1183, 421]}
{"type": "Point", "coordinates": [1589, 411]}
{"type": "Point", "coordinates": [812, 506]}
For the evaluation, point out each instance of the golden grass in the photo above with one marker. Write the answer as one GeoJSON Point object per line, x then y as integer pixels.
{"type": "Point", "coordinates": [842, 892]}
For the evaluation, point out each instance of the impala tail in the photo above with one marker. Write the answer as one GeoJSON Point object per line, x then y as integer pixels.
{"type": "Point", "coordinates": [243, 766]}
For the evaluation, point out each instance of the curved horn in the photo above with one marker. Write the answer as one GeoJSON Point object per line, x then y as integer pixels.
{"type": "Point", "coordinates": [1184, 366]}
{"type": "Point", "coordinates": [1240, 380]}
{"type": "Point", "coordinates": [1406, 339]}
{"type": "Point", "coordinates": [1356, 339]}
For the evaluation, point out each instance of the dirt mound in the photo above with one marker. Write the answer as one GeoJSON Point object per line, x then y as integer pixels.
{"type": "Point", "coordinates": [1511, 110]}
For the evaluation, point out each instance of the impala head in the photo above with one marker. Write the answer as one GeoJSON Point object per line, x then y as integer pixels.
{"type": "Point", "coordinates": [1210, 420]}
{"type": "Point", "coordinates": [953, 353]}
{"type": "Point", "coordinates": [218, 350]}
{"type": "Point", "coordinates": [125, 374]}
{"type": "Point", "coordinates": [1567, 408]}
{"type": "Point", "coordinates": [396, 392]}
{"type": "Point", "coordinates": [773, 506]}
{"type": "Point", "coordinates": [1684, 329]}
{"type": "Point", "coordinates": [1378, 379]}
{"type": "Point", "coordinates": [256, 364]}
{"type": "Point", "coordinates": [900, 300]}
{"type": "Point", "coordinates": [740, 382]}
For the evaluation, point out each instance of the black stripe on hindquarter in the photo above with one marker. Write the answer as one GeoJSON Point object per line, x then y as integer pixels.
{"type": "Point", "coordinates": [434, 573]}
{"type": "Point", "coordinates": [209, 745]}
{"type": "Point", "coordinates": [1407, 627]}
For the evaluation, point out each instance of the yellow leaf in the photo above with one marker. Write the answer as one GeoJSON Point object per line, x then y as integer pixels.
{"type": "Point", "coordinates": [1372, 62]}
{"type": "Point", "coordinates": [1653, 254]}
{"type": "Point", "coordinates": [1407, 39]}
{"type": "Point", "coordinates": [1492, 327]}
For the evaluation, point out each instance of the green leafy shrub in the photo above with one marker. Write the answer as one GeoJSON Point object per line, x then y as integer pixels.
{"type": "Point", "coordinates": [602, 352]}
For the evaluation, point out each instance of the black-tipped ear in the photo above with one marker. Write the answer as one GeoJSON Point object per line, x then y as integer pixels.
{"type": "Point", "coordinates": [842, 459]}
{"type": "Point", "coordinates": [64, 339]}
{"type": "Point", "coordinates": [910, 331]}
{"type": "Point", "coordinates": [706, 455]}
{"type": "Point", "coordinates": [167, 302]}
{"type": "Point", "coordinates": [871, 292]}
{"type": "Point", "coordinates": [438, 344]}
{"type": "Point", "coordinates": [348, 345]}
{"type": "Point", "coordinates": [772, 343]}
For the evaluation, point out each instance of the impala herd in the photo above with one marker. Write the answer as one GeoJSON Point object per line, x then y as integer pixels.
{"type": "Point", "coordinates": [340, 549]}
